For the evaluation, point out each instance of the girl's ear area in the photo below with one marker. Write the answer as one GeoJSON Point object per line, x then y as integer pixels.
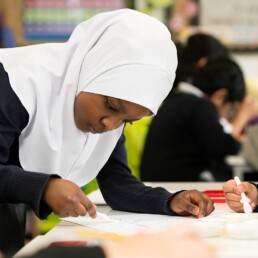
{"type": "Point", "coordinates": [220, 95]}
{"type": "Point", "coordinates": [202, 62]}
{"type": "Point", "coordinates": [218, 98]}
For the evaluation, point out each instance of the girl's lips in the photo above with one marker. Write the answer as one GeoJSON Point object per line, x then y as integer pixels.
{"type": "Point", "coordinates": [93, 130]}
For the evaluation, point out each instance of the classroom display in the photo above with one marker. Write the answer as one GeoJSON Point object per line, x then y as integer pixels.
{"type": "Point", "coordinates": [234, 22]}
{"type": "Point", "coordinates": [51, 20]}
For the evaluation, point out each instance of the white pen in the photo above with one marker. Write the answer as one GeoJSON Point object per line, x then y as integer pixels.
{"type": "Point", "coordinates": [244, 200]}
{"type": "Point", "coordinates": [103, 216]}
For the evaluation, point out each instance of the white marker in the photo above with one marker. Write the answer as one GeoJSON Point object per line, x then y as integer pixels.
{"type": "Point", "coordinates": [104, 217]}
{"type": "Point", "coordinates": [244, 200]}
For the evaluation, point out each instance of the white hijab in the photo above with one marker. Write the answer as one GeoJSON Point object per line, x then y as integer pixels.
{"type": "Point", "coordinates": [123, 54]}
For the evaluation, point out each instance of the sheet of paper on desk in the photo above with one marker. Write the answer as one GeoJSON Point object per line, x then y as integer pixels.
{"type": "Point", "coordinates": [129, 223]}
{"type": "Point", "coordinates": [230, 224]}
{"type": "Point", "coordinates": [220, 222]}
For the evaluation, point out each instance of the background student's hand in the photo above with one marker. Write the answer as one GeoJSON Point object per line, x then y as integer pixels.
{"type": "Point", "coordinates": [233, 194]}
{"type": "Point", "coordinates": [66, 198]}
{"type": "Point", "coordinates": [192, 202]}
{"type": "Point", "coordinates": [174, 242]}
{"type": "Point", "coordinates": [247, 110]}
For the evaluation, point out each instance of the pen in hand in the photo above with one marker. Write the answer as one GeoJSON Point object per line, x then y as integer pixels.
{"type": "Point", "coordinates": [244, 200]}
{"type": "Point", "coordinates": [104, 217]}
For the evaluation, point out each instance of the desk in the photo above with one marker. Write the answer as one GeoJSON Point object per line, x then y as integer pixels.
{"type": "Point", "coordinates": [227, 247]}
{"type": "Point", "coordinates": [201, 186]}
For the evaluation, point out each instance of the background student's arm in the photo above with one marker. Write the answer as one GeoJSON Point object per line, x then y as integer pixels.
{"type": "Point", "coordinates": [233, 194]}
{"type": "Point", "coordinates": [247, 110]}
{"type": "Point", "coordinates": [205, 127]}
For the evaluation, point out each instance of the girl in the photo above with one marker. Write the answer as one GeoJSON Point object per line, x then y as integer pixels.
{"type": "Point", "coordinates": [63, 110]}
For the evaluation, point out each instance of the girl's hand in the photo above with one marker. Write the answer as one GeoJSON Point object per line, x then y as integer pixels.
{"type": "Point", "coordinates": [192, 202]}
{"type": "Point", "coordinates": [66, 198]}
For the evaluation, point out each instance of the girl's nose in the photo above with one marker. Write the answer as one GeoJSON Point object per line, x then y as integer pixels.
{"type": "Point", "coordinates": [111, 123]}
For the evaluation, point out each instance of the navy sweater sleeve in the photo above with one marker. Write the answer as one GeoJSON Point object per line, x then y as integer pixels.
{"type": "Point", "coordinates": [122, 191]}
{"type": "Point", "coordinates": [16, 184]}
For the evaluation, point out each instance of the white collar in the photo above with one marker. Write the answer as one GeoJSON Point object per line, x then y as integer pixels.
{"type": "Point", "coordinates": [188, 88]}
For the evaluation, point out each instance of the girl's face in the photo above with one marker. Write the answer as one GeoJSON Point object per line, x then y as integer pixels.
{"type": "Point", "coordinates": [225, 108]}
{"type": "Point", "coordinates": [229, 110]}
{"type": "Point", "coordinates": [98, 114]}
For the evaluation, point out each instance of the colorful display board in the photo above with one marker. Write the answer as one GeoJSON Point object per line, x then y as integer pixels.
{"type": "Point", "coordinates": [51, 20]}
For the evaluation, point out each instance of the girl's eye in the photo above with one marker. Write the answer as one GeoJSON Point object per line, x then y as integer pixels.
{"type": "Point", "coordinates": [109, 105]}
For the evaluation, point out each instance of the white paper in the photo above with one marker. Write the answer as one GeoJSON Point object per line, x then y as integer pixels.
{"type": "Point", "coordinates": [126, 223]}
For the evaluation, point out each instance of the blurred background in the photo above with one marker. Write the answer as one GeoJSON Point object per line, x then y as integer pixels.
{"type": "Point", "coordinates": [234, 22]}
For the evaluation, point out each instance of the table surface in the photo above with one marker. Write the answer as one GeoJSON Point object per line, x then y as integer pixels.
{"type": "Point", "coordinates": [225, 245]}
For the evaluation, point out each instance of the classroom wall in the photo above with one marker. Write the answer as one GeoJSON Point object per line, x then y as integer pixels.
{"type": "Point", "coordinates": [249, 63]}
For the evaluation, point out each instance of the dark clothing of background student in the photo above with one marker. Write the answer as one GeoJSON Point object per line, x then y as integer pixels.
{"type": "Point", "coordinates": [182, 140]}
{"type": "Point", "coordinates": [192, 54]}
{"type": "Point", "coordinates": [186, 139]}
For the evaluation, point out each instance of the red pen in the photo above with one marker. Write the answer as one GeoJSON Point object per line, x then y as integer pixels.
{"type": "Point", "coordinates": [216, 195]}
{"type": "Point", "coordinates": [70, 243]}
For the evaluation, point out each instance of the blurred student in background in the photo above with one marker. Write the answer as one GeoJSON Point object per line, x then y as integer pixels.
{"type": "Point", "coordinates": [191, 55]}
{"type": "Point", "coordinates": [194, 53]}
{"type": "Point", "coordinates": [186, 141]}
